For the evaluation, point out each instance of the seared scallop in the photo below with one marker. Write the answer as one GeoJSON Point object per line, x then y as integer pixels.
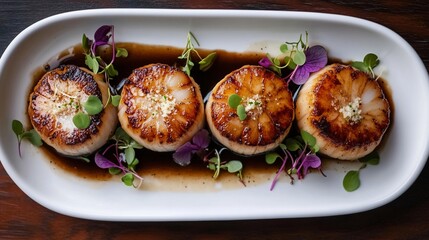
{"type": "Point", "coordinates": [268, 106]}
{"type": "Point", "coordinates": [346, 111]}
{"type": "Point", "coordinates": [58, 97]}
{"type": "Point", "coordinates": [161, 107]}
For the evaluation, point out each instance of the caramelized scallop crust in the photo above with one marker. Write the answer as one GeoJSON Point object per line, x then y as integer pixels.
{"type": "Point", "coordinates": [268, 105]}
{"type": "Point", "coordinates": [161, 107]}
{"type": "Point", "coordinates": [57, 98]}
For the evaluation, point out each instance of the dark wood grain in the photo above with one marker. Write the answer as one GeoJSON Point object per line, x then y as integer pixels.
{"type": "Point", "coordinates": [404, 218]}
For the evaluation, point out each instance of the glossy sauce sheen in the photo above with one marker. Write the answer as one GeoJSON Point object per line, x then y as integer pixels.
{"type": "Point", "coordinates": [158, 169]}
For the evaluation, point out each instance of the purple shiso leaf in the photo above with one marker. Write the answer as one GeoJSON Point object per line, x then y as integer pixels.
{"type": "Point", "coordinates": [101, 35]}
{"type": "Point", "coordinates": [201, 139]}
{"type": "Point", "coordinates": [311, 160]}
{"type": "Point", "coordinates": [317, 58]}
{"type": "Point", "coordinates": [265, 62]}
{"type": "Point", "coordinates": [103, 162]}
{"type": "Point", "coordinates": [183, 154]}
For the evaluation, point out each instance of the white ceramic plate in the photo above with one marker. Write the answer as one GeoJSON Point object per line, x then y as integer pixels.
{"type": "Point", "coordinates": [346, 38]}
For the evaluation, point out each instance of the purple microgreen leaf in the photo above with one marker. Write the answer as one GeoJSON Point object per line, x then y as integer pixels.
{"type": "Point", "coordinates": [316, 59]}
{"type": "Point", "coordinates": [201, 139]}
{"type": "Point", "coordinates": [265, 62]}
{"type": "Point", "coordinates": [101, 35]}
{"type": "Point", "coordinates": [183, 154]}
{"type": "Point", "coordinates": [103, 162]}
{"type": "Point", "coordinates": [310, 161]}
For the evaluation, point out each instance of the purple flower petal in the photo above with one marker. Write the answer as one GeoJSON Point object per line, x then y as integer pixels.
{"type": "Point", "coordinates": [103, 162]}
{"type": "Point", "coordinates": [301, 75]}
{"type": "Point", "coordinates": [201, 139]}
{"type": "Point", "coordinates": [311, 160]}
{"type": "Point", "coordinates": [316, 59]}
{"type": "Point", "coordinates": [183, 154]}
{"type": "Point", "coordinates": [265, 62]}
{"type": "Point", "coordinates": [101, 35]}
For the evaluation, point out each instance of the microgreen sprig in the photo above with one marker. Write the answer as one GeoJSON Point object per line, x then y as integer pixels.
{"type": "Point", "coordinates": [370, 61]}
{"type": "Point", "coordinates": [300, 58]}
{"type": "Point", "coordinates": [351, 181]}
{"type": "Point", "coordinates": [301, 152]}
{"type": "Point", "coordinates": [215, 164]}
{"type": "Point", "coordinates": [234, 101]}
{"type": "Point", "coordinates": [125, 155]}
{"type": "Point", "coordinates": [92, 106]}
{"type": "Point", "coordinates": [21, 134]}
{"type": "Point", "coordinates": [103, 37]}
{"type": "Point", "coordinates": [204, 63]}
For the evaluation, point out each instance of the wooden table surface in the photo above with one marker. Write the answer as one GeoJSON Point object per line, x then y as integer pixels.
{"type": "Point", "coordinates": [404, 218]}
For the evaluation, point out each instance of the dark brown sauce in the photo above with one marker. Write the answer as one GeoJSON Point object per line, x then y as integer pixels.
{"type": "Point", "coordinates": [158, 169]}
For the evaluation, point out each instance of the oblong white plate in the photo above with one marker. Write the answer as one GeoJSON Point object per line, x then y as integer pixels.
{"type": "Point", "coordinates": [346, 38]}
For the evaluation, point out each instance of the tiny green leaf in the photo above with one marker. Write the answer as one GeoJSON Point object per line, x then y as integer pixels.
{"type": "Point", "coordinates": [128, 179]}
{"type": "Point", "coordinates": [371, 159]}
{"type": "Point", "coordinates": [17, 127]}
{"type": "Point", "coordinates": [121, 52]}
{"type": "Point", "coordinates": [207, 62]}
{"type": "Point", "coordinates": [290, 63]}
{"type": "Point", "coordinates": [283, 48]}
{"type": "Point", "coordinates": [299, 58]}
{"type": "Point", "coordinates": [135, 145]}
{"type": "Point", "coordinates": [92, 63]}
{"type": "Point", "coordinates": [292, 144]}
{"type": "Point", "coordinates": [130, 154]}
{"type": "Point", "coordinates": [308, 138]}
{"type": "Point", "coordinates": [360, 65]}
{"type": "Point", "coordinates": [241, 112]}
{"type": "Point", "coordinates": [234, 166]}
{"type": "Point", "coordinates": [371, 60]}
{"type": "Point", "coordinates": [134, 163]}
{"type": "Point", "coordinates": [115, 100]}
{"type": "Point", "coordinates": [234, 100]}
{"type": "Point", "coordinates": [271, 157]}
{"type": "Point", "coordinates": [111, 71]}
{"type": "Point", "coordinates": [33, 137]}
{"type": "Point", "coordinates": [351, 181]}
{"type": "Point", "coordinates": [85, 43]}
{"type": "Point", "coordinates": [121, 135]}
{"type": "Point", "coordinates": [93, 105]}
{"type": "Point", "coordinates": [114, 171]}
{"type": "Point", "coordinates": [81, 120]}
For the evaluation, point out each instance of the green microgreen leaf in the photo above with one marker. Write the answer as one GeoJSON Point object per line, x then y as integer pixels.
{"type": "Point", "coordinates": [81, 120]}
{"type": "Point", "coordinates": [284, 48]}
{"type": "Point", "coordinates": [111, 71]}
{"type": "Point", "coordinates": [351, 181]}
{"type": "Point", "coordinates": [92, 63]}
{"type": "Point", "coordinates": [234, 100]}
{"type": "Point", "coordinates": [121, 136]}
{"type": "Point", "coordinates": [308, 138]}
{"type": "Point", "coordinates": [135, 145]}
{"type": "Point", "coordinates": [85, 43]}
{"type": "Point", "coordinates": [299, 58]}
{"type": "Point", "coordinates": [371, 60]}
{"type": "Point", "coordinates": [241, 112]}
{"type": "Point", "coordinates": [33, 137]}
{"type": "Point", "coordinates": [134, 163]}
{"type": "Point", "coordinates": [371, 159]}
{"type": "Point", "coordinates": [234, 166]}
{"type": "Point", "coordinates": [271, 157]}
{"type": "Point", "coordinates": [93, 105]}
{"type": "Point", "coordinates": [114, 171]}
{"type": "Point", "coordinates": [115, 100]}
{"type": "Point", "coordinates": [360, 65]}
{"type": "Point", "coordinates": [128, 179]}
{"type": "Point", "coordinates": [121, 52]}
{"type": "Point", "coordinates": [292, 144]}
{"type": "Point", "coordinates": [207, 62]}
{"type": "Point", "coordinates": [17, 128]}
{"type": "Point", "coordinates": [130, 155]}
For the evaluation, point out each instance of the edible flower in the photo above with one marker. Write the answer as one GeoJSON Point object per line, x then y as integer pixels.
{"type": "Point", "coordinates": [198, 144]}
